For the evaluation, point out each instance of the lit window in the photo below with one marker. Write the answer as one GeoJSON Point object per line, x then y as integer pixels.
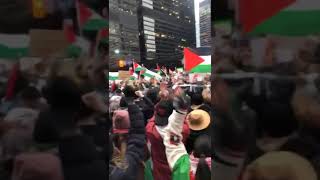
{"type": "Point", "coordinates": [148, 23]}
{"type": "Point", "coordinates": [149, 33]}
{"type": "Point", "coordinates": [148, 19]}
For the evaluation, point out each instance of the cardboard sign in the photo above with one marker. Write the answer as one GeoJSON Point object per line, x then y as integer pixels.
{"type": "Point", "coordinates": [47, 42]}
{"type": "Point", "coordinates": [124, 75]}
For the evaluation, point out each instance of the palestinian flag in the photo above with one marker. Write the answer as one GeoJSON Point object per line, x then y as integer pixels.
{"type": "Point", "coordinates": [178, 158]}
{"type": "Point", "coordinates": [113, 76]}
{"type": "Point", "coordinates": [88, 19]}
{"type": "Point", "coordinates": [13, 46]}
{"type": "Point", "coordinates": [137, 67]}
{"type": "Point", "coordinates": [148, 74]}
{"type": "Point", "coordinates": [285, 17]}
{"type": "Point", "coordinates": [195, 63]}
{"type": "Point", "coordinates": [204, 67]}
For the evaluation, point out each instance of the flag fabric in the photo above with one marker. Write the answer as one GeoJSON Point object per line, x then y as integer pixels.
{"type": "Point", "coordinates": [88, 19]}
{"type": "Point", "coordinates": [196, 63]}
{"type": "Point", "coordinates": [148, 74]}
{"type": "Point", "coordinates": [12, 81]}
{"type": "Point", "coordinates": [148, 170]}
{"type": "Point", "coordinates": [178, 158]}
{"type": "Point", "coordinates": [158, 68]}
{"type": "Point", "coordinates": [137, 67]}
{"type": "Point", "coordinates": [204, 67]}
{"type": "Point", "coordinates": [13, 46]}
{"type": "Point", "coordinates": [285, 17]}
{"type": "Point", "coordinates": [68, 29]}
{"type": "Point", "coordinates": [113, 76]}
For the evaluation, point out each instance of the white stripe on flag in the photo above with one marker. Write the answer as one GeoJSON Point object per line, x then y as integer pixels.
{"type": "Point", "coordinates": [304, 5]}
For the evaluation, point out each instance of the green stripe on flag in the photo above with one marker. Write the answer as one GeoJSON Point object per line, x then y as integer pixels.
{"type": "Point", "coordinates": [113, 76]}
{"type": "Point", "coordinates": [181, 169]}
{"type": "Point", "coordinates": [291, 23]}
{"type": "Point", "coordinates": [13, 53]}
{"type": "Point", "coordinates": [95, 24]}
{"type": "Point", "coordinates": [151, 74]}
{"type": "Point", "coordinates": [206, 68]}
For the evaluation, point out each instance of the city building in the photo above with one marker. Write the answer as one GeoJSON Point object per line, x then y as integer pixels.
{"type": "Point", "coordinates": [123, 32]}
{"type": "Point", "coordinates": [165, 27]}
{"type": "Point", "coordinates": [205, 23]}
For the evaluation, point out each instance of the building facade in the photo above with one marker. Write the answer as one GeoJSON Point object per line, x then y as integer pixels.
{"type": "Point", "coordinates": [205, 23]}
{"type": "Point", "coordinates": [123, 32]}
{"type": "Point", "coordinates": [165, 27]}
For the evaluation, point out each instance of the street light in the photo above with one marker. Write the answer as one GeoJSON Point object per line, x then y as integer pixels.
{"type": "Point", "coordinates": [117, 51]}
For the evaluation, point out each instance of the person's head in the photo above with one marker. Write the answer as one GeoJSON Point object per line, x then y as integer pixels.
{"type": "Point", "coordinates": [152, 94]}
{"type": "Point", "coordinates": [63, 93]}
{"type": "Point", "coordinates": [162, 112]}
{"type": "Point", "coordinates": [280, 166]}
{"type": "Point", "coordinates": [306, 108]}
{"type": "Point", "coordinates": [196, 100]}
{"type": "Point", "coordinates": [30, 97]}
{"type": "Point", "coordinates": [121, 122]}
{"type": "Point", "coordinates": [277, 119]}
{"type": "Point", "coordinates": [118, 92]}
{"type": "Point", "coordinates": [206, 94]}
{"type": "Point", "coordinates": [202, 150]}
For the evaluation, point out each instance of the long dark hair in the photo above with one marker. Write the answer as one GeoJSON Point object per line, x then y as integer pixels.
{"type": "Point", "coordinates": [202, 150]}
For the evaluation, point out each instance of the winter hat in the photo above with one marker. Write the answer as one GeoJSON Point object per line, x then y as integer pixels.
{"type": "Point", "coordinates": [121, 122]}
{"type": "Point", "coordinates": [38, 166]}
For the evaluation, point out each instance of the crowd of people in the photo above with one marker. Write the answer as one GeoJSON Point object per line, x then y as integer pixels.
{"type": "Point", "coordinates": [57, 129]}
{"type": "Point", "coordinates": [265, 127]}
{"type": "Point", "coordinates": [161, 129]}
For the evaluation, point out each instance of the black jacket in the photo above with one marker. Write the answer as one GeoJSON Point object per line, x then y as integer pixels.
{"type": "Point", "coordinates": [80, 159]}
{"type": "Point", "coordinates": [135, 147]}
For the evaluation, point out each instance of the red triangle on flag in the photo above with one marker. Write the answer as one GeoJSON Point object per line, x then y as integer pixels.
{"type": "Point", "coordinates": [191, 59]}
{"type": "Point", "coordinates": [254, 12]}
{"type": "Point", "coordinates": [84, 13]}
{"type": "Point", "coordinates": [104, 33]}
{"type": "Point", "coordinates": [135, 65]}
{"type": "Point", "coordinates": [69, 30]}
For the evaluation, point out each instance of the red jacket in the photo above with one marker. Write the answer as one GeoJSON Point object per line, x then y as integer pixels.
{"type": "Point", "coordinates": [161, 169]}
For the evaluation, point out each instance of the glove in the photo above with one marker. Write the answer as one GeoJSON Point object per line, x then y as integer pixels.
{"type": "Point", "coordinates": [181, 102]}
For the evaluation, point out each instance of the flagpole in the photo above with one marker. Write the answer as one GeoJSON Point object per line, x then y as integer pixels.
{"type": "Point", "coordinates": [78, 17]}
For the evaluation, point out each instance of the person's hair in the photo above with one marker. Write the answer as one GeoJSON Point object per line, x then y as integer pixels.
{"type": "Point", "coordinates": [62, 92]}
{"type": "Point", "coordinates": [206, 94]}
{"type": "Point", "coordinates": [202, 150]}
{"type": "Point", "coordinates": [30, 93]}
{"type": "Point", "coordinates": [277, 119]}
{"type": "Point", "coordinates": [196, 99]}
{"type": "Point", "coordinates": [116, 159]}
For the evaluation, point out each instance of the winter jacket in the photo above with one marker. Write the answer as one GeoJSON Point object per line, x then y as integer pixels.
{"type": "Point", "coordinates": [135, 147]}
{"type": "Point", "coordinates": [155, 134]}
{"type": "Point", "coordinates": [80, 159]}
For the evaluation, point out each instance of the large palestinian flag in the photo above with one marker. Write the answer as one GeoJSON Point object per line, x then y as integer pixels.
{"type": "Point", "coordinates": [280, 17]}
